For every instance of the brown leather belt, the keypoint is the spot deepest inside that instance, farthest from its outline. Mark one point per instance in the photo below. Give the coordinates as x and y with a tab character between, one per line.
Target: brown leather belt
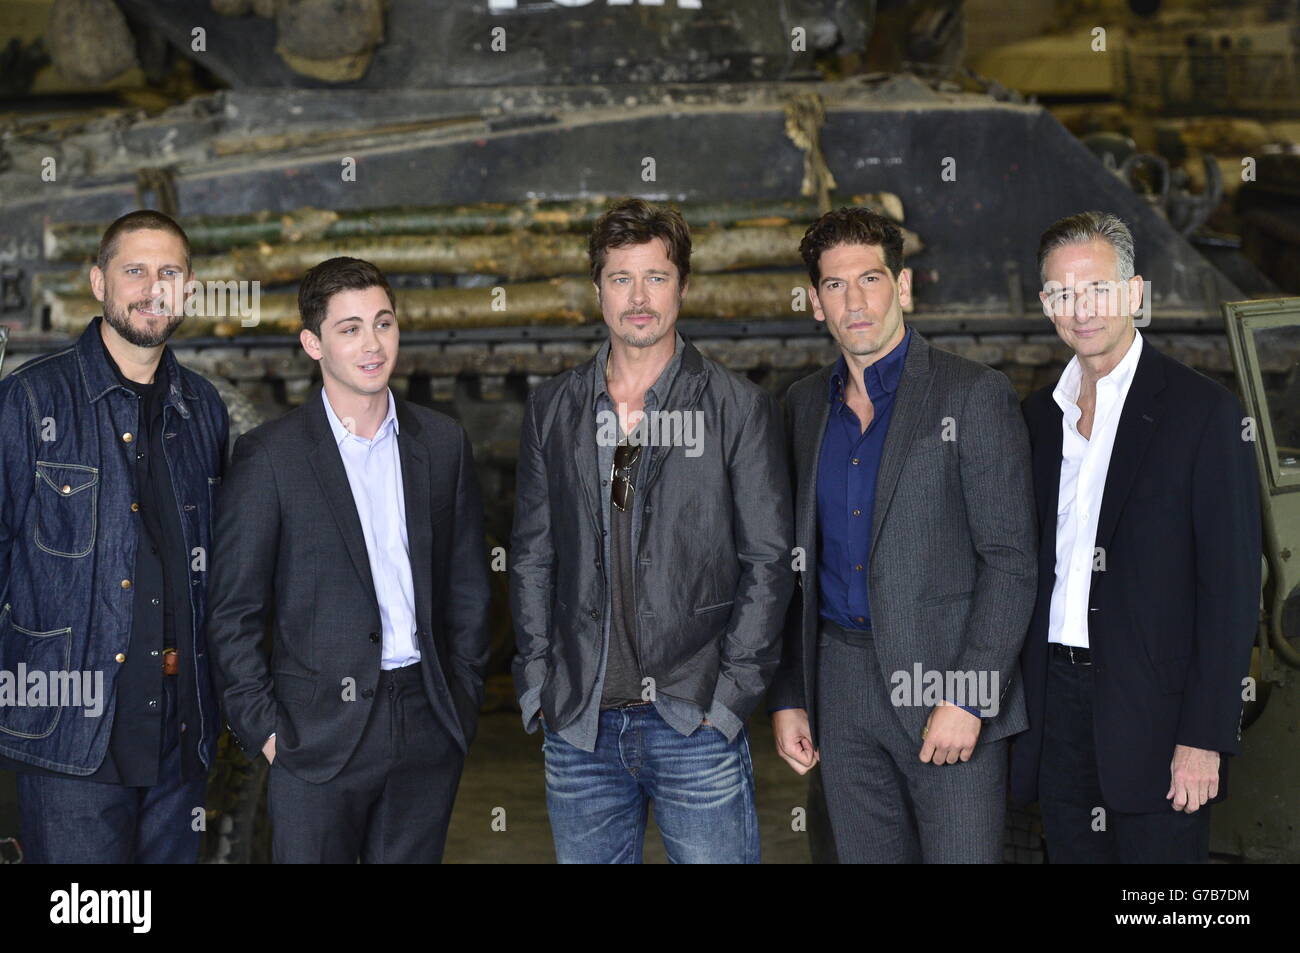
171	662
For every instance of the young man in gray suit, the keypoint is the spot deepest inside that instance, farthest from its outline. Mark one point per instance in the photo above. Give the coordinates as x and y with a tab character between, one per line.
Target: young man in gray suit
914	523
355	522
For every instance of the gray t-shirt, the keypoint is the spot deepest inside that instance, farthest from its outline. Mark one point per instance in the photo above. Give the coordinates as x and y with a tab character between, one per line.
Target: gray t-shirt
623	668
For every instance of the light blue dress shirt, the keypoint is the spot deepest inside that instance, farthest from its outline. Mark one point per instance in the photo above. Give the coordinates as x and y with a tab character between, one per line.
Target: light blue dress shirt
374	469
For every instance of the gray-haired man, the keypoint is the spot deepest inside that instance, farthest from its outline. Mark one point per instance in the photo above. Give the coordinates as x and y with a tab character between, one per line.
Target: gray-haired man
1149	572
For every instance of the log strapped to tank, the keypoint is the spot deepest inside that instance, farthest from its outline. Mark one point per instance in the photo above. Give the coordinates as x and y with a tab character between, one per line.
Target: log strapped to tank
533	257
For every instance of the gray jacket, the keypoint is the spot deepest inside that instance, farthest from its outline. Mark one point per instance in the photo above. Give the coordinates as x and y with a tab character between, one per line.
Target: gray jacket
954	550
713	576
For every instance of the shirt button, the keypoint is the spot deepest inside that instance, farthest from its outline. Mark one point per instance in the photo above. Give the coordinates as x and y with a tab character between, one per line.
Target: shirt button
595	614
153	652
66	489
374	636
127	437
120	657
368	693
858	567
154	602
153	703
855	461
857	512
861	619
126	583
135	507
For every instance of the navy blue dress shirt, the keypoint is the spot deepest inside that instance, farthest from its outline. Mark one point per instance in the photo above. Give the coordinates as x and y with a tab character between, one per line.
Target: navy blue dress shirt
846	488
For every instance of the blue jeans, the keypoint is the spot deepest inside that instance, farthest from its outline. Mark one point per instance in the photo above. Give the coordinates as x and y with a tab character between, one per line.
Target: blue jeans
701	784
69	820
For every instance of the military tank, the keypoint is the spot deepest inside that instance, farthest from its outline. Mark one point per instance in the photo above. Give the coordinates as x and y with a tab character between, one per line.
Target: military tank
467	146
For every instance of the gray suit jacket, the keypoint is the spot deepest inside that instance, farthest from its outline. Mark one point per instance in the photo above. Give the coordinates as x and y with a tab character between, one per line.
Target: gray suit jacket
288	547
954	550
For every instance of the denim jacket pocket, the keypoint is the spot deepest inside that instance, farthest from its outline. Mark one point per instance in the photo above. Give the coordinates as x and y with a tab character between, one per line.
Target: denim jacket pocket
67	496
23	653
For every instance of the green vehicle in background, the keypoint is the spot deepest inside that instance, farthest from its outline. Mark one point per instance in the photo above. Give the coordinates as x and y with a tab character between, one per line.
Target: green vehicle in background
1257	821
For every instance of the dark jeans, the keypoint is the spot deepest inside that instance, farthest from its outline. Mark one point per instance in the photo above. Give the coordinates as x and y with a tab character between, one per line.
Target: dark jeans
69	820
1080	828
702	786
391	803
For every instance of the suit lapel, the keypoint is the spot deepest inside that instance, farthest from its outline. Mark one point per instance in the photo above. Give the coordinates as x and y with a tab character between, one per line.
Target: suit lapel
909	407
582	399
327	463
1043	420
415	491
1048	442
682	396
810	416
1137	422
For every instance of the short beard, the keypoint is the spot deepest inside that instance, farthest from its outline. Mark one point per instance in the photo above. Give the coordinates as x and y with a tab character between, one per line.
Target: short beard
649	340
651	336
120	321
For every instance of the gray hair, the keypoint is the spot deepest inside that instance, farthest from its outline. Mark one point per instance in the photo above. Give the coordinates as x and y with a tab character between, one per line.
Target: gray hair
1086	227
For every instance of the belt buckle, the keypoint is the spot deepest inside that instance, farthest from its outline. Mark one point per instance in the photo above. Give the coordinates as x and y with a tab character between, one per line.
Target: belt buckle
1077	661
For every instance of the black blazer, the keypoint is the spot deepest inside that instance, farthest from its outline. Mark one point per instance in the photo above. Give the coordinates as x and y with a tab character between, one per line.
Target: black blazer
1172	617
288	544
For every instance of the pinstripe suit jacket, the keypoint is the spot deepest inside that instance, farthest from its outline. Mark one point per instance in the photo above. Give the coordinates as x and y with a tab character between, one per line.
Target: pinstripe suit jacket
954	560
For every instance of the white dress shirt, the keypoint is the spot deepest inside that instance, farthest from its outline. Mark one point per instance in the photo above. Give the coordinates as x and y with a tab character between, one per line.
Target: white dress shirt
374	470
1084	464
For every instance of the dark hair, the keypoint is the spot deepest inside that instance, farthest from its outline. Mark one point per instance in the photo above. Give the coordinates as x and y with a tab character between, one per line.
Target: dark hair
851	226
635	222
139	220
1086	227
329	278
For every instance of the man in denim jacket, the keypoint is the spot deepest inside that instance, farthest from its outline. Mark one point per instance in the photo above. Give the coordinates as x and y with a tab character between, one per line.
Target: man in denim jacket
110	453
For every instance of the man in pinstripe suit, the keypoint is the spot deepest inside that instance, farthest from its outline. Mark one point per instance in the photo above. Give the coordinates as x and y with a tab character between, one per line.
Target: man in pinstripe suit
914	527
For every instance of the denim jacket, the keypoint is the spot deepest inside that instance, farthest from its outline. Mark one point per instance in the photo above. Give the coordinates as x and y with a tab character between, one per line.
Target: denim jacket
68	537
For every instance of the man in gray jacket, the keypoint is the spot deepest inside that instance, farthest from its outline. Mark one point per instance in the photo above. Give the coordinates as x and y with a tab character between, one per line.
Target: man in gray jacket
915	521
650	568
